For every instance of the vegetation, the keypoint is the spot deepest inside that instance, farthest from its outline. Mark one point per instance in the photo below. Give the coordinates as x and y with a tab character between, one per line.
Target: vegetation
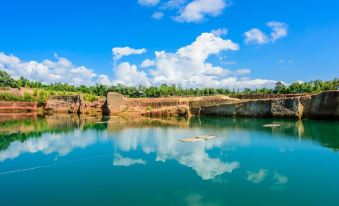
91	93
5	96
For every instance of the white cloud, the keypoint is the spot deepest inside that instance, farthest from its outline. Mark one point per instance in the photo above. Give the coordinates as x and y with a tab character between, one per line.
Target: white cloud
47	71
240	72
207	167
150	140
147	63
279	30
256	177
219	32
157	15
256	36
189	67
104	80
49	143
229	62
193	11
126	162
119	52
128	74
174	4
192	155
197	10
148	3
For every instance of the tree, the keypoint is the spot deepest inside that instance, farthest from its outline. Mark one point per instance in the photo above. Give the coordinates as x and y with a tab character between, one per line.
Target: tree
279	88
6	80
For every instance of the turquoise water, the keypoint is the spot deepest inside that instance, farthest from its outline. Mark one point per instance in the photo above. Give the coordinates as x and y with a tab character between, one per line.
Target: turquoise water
63	160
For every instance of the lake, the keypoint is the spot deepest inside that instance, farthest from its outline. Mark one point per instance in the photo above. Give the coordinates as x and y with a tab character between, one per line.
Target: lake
72	160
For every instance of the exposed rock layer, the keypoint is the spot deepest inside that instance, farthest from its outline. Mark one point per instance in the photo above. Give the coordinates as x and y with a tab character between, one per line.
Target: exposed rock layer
17	107
323	105
73	104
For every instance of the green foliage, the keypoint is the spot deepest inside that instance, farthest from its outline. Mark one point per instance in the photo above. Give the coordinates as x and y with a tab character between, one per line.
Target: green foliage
306	87
90	97
6	80
91	93
28	97
5	96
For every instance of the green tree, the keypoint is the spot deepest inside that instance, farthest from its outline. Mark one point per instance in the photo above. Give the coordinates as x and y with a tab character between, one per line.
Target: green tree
6	80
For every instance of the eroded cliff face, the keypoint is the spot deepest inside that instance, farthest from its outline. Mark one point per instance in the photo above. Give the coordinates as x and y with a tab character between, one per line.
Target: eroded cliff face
165	107
73	104
64	104
323	105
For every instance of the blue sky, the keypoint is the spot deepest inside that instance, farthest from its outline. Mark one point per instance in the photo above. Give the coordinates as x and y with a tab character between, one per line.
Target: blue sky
83	34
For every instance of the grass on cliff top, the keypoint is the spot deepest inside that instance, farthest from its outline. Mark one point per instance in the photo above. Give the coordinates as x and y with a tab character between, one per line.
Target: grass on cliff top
41	96
8	97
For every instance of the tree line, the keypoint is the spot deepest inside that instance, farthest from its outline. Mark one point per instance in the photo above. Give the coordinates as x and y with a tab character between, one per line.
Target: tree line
168	90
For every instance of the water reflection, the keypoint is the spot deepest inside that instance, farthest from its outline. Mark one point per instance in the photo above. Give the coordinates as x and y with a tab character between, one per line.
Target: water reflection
61	134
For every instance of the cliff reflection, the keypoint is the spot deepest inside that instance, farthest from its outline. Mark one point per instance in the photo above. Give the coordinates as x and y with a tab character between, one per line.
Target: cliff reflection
60	134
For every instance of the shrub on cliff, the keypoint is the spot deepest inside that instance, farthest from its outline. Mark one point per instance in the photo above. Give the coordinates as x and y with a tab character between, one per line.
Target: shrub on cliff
8	97
90	97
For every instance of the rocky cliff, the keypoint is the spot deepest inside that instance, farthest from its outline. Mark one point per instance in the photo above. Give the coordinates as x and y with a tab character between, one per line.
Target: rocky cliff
324	105
73	104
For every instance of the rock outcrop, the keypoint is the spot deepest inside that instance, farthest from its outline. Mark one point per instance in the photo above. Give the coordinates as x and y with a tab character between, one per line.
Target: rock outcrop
18	107
324	105
64	104
164	106
73	104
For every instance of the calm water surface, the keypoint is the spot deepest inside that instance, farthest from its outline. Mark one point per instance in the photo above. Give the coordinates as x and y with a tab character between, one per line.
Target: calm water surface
64	160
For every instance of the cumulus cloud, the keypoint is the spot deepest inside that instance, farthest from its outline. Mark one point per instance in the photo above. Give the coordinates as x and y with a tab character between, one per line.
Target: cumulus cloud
48	71
240	72
219	32
128	74
148	3
256	177
174	4
147	63
256	36
279	30
197	10
157	15
119	52
189	67
188	11
104	80
126	162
